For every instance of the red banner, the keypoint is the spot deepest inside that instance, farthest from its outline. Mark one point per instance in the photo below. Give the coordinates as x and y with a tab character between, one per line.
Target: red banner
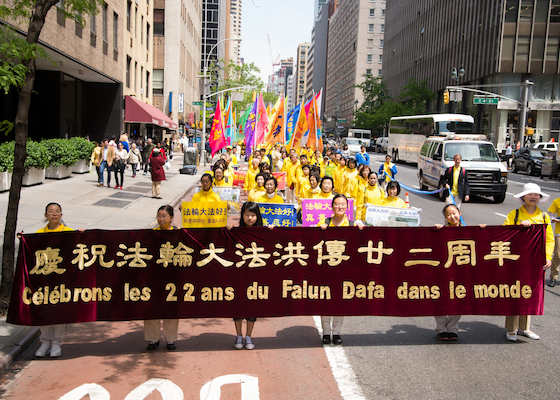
257	272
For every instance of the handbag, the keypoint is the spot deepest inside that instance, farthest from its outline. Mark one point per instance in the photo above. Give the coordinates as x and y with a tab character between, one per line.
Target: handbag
167	165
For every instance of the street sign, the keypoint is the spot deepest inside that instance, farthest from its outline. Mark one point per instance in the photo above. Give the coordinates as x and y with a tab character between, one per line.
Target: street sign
342	120
197	103
485	100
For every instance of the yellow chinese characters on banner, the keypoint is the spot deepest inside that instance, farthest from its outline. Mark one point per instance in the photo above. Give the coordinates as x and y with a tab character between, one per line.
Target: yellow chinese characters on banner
204	214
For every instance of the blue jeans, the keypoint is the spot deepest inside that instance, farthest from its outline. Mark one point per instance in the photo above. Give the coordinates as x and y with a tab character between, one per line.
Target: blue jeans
102	168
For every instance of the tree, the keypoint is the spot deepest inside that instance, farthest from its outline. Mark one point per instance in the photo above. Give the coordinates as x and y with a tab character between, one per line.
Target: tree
18	61
415	96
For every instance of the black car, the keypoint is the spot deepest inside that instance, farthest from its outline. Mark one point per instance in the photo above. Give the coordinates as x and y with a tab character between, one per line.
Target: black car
526	159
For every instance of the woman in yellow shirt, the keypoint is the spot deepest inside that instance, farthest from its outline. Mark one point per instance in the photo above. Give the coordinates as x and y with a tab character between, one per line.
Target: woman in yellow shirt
313	188
303	181
170	326
206	193
219	179
350	175
372	193
392	199
250	176
326	186
52	335
528	214
338	175
259	189
270	196
339	205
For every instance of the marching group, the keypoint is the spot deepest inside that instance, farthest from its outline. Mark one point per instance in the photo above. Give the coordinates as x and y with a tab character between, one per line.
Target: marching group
313	174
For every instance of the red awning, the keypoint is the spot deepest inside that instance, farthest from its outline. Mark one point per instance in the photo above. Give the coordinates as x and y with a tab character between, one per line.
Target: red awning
138	111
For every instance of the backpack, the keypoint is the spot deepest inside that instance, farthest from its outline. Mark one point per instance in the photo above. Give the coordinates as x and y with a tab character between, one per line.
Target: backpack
517	217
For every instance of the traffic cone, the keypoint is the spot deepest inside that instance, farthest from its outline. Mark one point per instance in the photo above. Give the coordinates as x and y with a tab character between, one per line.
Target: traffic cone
406	200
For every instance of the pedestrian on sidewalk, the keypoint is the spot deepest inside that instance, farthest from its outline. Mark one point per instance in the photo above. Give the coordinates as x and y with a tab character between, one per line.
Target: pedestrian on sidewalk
333	324
106	159
250	216
158	174
146	152
170	326
134	158
121	156
96	158
52	335
528	214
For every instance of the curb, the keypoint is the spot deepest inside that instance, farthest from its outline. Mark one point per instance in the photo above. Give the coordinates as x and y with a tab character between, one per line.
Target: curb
17	346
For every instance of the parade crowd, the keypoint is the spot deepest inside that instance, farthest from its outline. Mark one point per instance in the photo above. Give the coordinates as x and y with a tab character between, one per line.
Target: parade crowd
332	174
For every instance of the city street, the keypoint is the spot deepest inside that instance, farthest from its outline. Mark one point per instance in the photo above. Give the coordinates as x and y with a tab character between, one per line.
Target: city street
381	357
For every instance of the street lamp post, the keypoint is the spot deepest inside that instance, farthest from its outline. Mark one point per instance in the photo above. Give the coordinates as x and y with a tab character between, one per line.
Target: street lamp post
205	96
456	75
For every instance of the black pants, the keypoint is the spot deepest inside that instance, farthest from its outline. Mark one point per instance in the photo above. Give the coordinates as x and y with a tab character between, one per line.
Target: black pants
119	170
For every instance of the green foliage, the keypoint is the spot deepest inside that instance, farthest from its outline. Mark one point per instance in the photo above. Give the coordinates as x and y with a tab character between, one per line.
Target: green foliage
6	127
7	157
83	147
36	155
61	152
415	96
242	75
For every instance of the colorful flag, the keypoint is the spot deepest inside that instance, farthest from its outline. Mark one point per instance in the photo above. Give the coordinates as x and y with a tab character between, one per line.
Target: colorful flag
250	128
217	138
299	131
239	132
262	122
230	124
314	140
277	130
272	114
291	122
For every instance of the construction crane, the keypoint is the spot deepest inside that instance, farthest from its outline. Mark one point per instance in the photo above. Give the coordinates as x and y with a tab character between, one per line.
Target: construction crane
274	62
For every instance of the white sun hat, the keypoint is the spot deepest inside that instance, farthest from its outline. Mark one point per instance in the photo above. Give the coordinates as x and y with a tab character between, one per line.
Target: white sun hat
532	188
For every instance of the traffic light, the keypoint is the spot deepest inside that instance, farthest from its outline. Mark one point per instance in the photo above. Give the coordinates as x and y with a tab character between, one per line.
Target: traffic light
446	97
530	131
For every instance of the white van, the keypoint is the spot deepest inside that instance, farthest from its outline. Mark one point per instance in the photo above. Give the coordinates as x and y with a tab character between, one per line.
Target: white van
546	146
487	175
381	144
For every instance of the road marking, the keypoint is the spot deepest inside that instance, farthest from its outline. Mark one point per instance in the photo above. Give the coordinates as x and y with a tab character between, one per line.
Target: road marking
544	187
167	389
93	390
341	369
249	387
511	194
501	215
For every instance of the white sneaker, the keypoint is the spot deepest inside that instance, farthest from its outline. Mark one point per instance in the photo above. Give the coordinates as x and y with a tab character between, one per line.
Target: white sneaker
43	350
56	351
238	342
512	336
249	343
530	335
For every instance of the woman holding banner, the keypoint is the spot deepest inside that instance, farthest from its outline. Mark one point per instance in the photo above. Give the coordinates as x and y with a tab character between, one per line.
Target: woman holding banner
170	326
270	196
206	193
371	193
392	199
528	214
333	324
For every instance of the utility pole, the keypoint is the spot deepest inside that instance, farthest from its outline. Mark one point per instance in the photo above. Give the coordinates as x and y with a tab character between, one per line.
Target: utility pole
523	112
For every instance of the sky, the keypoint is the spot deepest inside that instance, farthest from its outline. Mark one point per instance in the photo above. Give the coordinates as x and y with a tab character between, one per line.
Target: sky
288	23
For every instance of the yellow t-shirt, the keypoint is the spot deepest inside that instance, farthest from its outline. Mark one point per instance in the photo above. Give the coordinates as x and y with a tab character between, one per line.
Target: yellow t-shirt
61	228
387	169
535	218
555	209
276	199
255	193
210	195
393	202
350	183
250	178
345	222
455	187
323	195
223	182
368	195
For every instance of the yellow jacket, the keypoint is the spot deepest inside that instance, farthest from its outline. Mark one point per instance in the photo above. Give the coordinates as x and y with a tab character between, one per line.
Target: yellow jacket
350	183
210	195
223	182
393	202
323	195
255	193
276	199
302	185
290	169
535	218
338	177
250	179
368	195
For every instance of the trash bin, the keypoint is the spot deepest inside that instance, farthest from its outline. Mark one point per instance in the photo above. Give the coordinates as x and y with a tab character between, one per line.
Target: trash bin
190	156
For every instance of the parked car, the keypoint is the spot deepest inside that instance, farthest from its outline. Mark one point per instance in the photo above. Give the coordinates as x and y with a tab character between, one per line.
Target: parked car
526	159
546	146
381	144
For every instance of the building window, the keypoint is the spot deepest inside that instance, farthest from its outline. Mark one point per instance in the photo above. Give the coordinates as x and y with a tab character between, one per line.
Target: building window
370	28
379	73
128	63
147	36
381	43
141	77
147	83
370	43
128	15
382	29
381	59
92	24
142	30
135	74
368	71
105	23
382	13
115	31
158	81
159	23
372	12
369	58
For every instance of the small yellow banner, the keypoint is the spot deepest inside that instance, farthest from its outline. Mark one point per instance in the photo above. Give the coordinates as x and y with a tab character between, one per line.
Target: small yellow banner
203	214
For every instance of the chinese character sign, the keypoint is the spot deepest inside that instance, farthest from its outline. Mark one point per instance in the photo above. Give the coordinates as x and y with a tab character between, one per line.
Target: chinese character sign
315	211
278	214
204	214
100	275
392	216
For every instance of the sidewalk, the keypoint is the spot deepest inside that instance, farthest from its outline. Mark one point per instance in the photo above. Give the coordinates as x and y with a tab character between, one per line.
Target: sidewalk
85	205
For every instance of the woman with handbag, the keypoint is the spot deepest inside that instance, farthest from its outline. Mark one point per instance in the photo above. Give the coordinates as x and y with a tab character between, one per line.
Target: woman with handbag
121	156
134	157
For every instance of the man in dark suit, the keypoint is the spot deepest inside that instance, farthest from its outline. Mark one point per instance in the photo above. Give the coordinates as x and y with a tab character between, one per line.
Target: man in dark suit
457	182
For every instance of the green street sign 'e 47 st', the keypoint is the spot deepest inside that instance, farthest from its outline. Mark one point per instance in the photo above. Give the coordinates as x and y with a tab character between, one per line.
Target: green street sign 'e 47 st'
485	100
197	103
